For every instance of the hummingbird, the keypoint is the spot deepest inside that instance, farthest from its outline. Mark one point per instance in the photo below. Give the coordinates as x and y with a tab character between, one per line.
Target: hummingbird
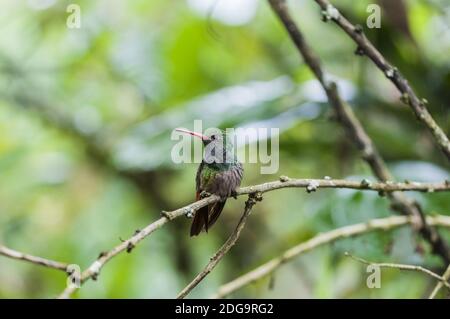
219	173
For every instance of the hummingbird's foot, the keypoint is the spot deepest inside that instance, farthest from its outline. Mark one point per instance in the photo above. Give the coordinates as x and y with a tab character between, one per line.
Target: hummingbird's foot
165	214
234	194
204	194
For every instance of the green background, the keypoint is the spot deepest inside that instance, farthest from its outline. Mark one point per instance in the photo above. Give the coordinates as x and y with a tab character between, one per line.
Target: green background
86	116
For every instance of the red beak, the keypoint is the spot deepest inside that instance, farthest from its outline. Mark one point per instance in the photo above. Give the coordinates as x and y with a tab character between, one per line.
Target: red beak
201	136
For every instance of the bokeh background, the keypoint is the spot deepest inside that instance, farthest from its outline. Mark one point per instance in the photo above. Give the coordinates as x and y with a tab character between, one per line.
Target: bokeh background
85	122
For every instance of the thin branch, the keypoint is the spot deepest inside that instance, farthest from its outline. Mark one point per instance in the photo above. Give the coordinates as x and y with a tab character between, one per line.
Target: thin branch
231	241
356	131
439	285
408	95
401	267
10	253
269	267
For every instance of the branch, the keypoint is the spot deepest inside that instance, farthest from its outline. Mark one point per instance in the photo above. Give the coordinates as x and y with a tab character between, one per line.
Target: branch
10	253
312	185
356	131
231	241
93	270
285	182
439	285
408	95
269	267
442	280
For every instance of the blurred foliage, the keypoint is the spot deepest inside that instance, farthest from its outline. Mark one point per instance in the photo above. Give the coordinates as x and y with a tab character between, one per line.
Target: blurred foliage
86	116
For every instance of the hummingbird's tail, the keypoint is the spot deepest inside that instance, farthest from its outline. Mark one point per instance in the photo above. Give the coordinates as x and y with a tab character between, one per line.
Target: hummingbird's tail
214	212
206	217
200	219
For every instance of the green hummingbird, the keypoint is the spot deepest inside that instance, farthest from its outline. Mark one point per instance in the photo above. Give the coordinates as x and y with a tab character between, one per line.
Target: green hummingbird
219	173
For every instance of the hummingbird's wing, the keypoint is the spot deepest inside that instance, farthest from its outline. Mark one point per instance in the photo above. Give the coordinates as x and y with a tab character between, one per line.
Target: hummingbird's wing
201	216
206	216
198	180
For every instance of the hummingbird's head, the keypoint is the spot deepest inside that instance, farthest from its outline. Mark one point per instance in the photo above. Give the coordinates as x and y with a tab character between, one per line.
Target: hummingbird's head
219	147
